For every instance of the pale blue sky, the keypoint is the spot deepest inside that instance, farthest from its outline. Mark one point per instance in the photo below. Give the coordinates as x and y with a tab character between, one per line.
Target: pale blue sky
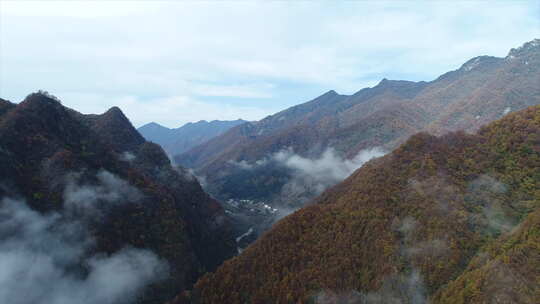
174	62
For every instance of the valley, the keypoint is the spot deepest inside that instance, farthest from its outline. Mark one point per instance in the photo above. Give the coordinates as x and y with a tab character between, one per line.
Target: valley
269	152
291	157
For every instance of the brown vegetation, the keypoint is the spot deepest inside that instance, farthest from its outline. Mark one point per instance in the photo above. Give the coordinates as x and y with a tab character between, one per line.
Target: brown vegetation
435	220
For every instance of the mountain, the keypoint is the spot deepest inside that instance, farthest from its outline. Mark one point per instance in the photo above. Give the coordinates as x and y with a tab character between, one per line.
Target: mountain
450	219
90	210
179	140
288	158
481	90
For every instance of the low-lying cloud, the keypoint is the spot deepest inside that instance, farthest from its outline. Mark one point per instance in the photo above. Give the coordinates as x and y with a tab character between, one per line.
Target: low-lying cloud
329	165
486	191
49	258
88	199
395	289
127	157
311	177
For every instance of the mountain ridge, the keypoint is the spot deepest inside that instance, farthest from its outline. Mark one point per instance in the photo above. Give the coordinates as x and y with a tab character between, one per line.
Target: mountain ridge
483	89
419	224
191	134
99	173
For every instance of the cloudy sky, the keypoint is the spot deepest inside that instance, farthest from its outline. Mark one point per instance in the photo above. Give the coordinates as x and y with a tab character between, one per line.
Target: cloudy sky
179	61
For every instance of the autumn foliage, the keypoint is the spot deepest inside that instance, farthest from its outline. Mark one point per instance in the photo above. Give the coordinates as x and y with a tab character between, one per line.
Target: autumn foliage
448	219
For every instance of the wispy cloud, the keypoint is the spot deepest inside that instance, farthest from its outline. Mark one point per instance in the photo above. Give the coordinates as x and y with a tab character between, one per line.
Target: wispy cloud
45	259
309	177
51	257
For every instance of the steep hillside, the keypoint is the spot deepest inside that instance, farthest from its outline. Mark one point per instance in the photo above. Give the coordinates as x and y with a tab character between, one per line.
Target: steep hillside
129	206
482	90
179	140
434	220
508	271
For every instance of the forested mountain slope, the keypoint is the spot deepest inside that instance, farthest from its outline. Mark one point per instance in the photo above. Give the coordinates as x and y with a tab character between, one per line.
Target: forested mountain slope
450	219
105	198
483	89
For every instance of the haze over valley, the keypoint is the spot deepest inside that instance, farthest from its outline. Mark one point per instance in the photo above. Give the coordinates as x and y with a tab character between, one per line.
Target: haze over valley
179	152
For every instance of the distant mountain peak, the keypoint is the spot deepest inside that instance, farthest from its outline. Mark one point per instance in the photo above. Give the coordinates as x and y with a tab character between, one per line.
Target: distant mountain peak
153	126
387	84
527	47
332	92
476	62
328	95
177	140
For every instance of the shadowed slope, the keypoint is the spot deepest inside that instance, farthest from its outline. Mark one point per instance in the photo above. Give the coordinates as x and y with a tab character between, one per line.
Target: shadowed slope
59	160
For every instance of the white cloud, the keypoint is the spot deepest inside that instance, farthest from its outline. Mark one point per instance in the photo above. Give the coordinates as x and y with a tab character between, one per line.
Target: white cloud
77	9
266	54
329	166
50	257
311	177
41	256
172	111
85	200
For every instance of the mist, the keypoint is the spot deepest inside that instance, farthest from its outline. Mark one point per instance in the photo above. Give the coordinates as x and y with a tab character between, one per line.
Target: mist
395	289
488	193
329	166
85	200
127	157
311	176
50	258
